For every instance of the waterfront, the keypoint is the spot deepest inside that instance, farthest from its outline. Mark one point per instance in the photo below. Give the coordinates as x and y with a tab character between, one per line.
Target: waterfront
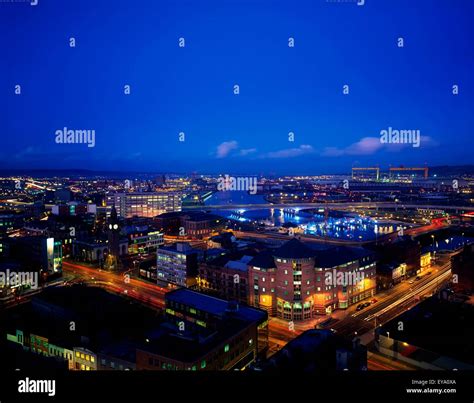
337	225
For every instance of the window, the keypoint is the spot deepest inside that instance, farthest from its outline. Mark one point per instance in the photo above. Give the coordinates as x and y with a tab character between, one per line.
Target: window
77	354
203	364
226	348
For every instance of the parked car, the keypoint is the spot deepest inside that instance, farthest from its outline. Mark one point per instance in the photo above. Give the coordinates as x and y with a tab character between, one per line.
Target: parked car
359	307
418	278
373	300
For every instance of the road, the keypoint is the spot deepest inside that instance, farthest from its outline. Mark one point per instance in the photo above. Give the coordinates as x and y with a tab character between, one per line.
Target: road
352	323
148	293
347	323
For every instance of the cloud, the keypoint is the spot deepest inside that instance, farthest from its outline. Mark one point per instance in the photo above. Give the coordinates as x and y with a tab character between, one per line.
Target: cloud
365	146
290	152
247	151
370	145
225	148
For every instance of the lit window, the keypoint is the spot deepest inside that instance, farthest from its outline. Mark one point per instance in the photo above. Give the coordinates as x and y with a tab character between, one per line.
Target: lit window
226	348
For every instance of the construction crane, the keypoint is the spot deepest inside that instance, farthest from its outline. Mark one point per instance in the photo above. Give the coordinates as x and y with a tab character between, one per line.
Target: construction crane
402	168
376	169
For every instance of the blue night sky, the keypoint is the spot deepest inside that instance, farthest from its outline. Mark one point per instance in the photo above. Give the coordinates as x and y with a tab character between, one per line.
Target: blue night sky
243	42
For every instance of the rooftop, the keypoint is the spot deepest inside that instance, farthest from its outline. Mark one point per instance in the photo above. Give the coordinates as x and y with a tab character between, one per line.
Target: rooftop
294	249
214	306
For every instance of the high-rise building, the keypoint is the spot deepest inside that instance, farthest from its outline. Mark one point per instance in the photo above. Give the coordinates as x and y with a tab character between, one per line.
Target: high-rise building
177	264
144	204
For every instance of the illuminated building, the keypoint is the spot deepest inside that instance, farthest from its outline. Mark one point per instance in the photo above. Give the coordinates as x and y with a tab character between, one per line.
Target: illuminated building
73	209
144	240
144	204
95	250
84	359
425	261
390	274
177	265
190	224
112	261
226	277
44	254
10	221
42	329
295	282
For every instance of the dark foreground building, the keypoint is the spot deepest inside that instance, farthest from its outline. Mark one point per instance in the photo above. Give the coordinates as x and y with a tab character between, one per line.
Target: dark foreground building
206	333
435	334
86	328
318	351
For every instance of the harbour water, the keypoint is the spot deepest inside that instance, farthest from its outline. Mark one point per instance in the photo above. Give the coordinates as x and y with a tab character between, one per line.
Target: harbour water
348	226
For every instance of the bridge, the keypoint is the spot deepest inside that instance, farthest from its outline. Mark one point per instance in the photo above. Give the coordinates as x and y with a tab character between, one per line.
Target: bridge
337	206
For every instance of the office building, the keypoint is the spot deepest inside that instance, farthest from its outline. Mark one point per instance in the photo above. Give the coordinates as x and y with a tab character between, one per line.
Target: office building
144	204
177	265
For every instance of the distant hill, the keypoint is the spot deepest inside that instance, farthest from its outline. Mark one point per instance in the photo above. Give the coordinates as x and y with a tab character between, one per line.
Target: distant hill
446	170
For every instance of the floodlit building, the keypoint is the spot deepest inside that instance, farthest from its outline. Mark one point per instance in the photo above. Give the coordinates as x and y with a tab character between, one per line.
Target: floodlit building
296	282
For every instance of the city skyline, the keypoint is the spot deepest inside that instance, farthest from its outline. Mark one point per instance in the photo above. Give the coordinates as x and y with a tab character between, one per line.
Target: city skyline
285	93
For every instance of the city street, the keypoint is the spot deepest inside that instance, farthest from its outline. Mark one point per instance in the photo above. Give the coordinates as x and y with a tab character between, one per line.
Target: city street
350	322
